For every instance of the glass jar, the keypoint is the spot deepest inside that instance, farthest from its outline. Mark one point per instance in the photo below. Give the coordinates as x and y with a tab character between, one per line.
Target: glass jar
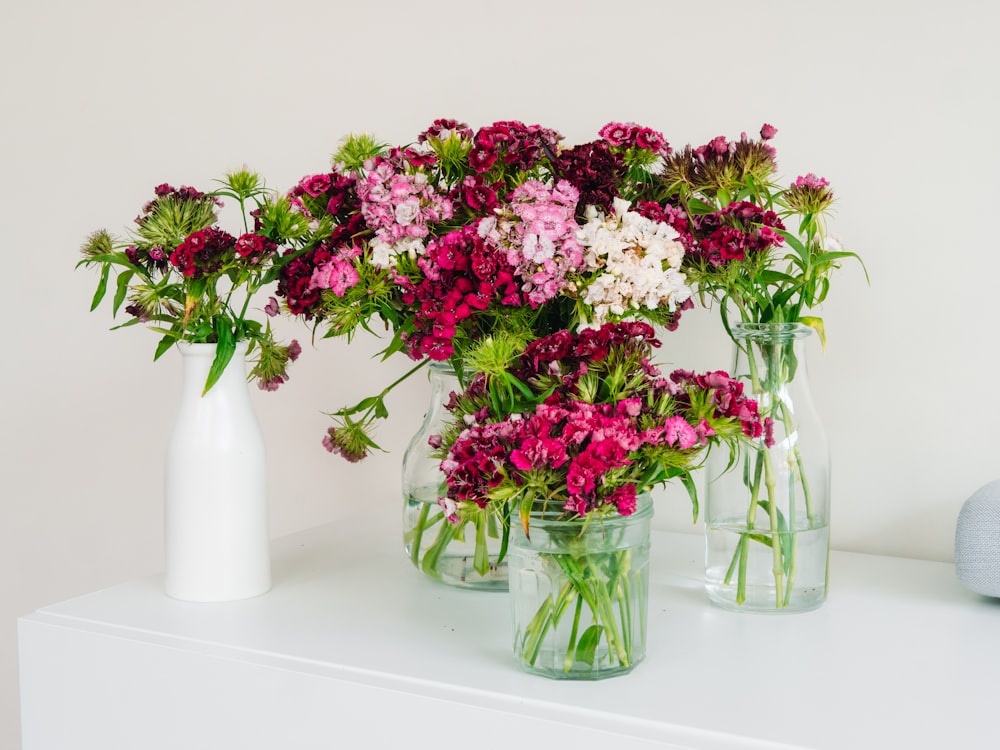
579	594
469	554
767	509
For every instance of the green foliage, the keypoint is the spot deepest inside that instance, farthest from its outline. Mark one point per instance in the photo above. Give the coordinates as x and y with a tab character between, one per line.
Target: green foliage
782	283
208	303
355	150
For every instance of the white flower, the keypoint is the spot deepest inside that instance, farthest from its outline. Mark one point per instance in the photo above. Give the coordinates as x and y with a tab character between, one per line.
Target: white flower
381	254
407	211
640	260
412	246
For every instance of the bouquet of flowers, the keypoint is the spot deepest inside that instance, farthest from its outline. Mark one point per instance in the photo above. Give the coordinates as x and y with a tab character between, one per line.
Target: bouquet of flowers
468	243
190	280
761	251
463	237
577	430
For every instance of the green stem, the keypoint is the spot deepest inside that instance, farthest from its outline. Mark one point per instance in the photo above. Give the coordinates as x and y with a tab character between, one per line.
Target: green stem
769	481
803	479
481	561
571	651
446	535
778	566
737	554
418	533
547	616
606	612
742	550
622	590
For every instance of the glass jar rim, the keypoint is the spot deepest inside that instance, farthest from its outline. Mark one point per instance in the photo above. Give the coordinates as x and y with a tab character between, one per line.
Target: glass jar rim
643	510
772	331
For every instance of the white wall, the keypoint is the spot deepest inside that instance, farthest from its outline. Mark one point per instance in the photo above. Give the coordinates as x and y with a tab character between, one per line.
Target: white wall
894	102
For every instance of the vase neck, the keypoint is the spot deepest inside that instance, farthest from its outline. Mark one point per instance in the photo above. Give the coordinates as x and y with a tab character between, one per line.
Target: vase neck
197	362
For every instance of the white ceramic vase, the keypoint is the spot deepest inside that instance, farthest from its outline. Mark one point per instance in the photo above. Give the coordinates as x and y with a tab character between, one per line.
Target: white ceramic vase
215	505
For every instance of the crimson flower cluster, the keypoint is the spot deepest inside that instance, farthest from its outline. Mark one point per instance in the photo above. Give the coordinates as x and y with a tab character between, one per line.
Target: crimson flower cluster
317	195
515	144
594	170
604	426
629	135
461	275
738	232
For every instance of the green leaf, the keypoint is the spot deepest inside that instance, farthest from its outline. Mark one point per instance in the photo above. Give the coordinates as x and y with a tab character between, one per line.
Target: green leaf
362	405
817	325
692	490
165	343
796	244
396	345
224	349
834	255
525	513
123	279
782	298
127	324
697	206
775	277
588	644
505	536
102	287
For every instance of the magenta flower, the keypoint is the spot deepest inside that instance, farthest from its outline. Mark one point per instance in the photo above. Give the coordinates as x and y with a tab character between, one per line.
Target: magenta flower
336	275
588	445
810	181
677	431
315	185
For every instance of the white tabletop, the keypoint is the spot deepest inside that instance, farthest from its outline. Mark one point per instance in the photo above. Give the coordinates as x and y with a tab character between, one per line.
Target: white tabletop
900	655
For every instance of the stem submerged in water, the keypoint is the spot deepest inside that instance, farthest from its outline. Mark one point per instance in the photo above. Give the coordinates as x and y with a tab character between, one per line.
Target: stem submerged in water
781	503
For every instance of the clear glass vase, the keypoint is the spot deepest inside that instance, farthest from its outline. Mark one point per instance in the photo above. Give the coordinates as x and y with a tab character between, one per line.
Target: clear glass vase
469	554
579	594
767	509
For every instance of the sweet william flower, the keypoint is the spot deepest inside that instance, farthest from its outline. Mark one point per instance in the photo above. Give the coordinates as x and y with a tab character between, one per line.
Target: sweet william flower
677	431
180	271
575	442
346	442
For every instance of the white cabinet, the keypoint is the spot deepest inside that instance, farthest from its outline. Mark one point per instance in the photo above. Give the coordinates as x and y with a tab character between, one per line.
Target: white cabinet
352	648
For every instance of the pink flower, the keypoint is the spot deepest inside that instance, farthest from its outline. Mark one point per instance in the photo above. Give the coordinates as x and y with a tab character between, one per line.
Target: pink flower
315	185
623	498
616	133
677	430
450	508
811	181
767	132
336	275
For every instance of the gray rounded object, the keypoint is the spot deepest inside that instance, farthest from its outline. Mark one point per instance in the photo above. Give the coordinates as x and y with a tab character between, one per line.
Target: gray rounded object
977	541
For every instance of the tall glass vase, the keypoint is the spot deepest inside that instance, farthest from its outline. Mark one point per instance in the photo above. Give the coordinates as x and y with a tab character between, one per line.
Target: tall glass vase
469	554
767	509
